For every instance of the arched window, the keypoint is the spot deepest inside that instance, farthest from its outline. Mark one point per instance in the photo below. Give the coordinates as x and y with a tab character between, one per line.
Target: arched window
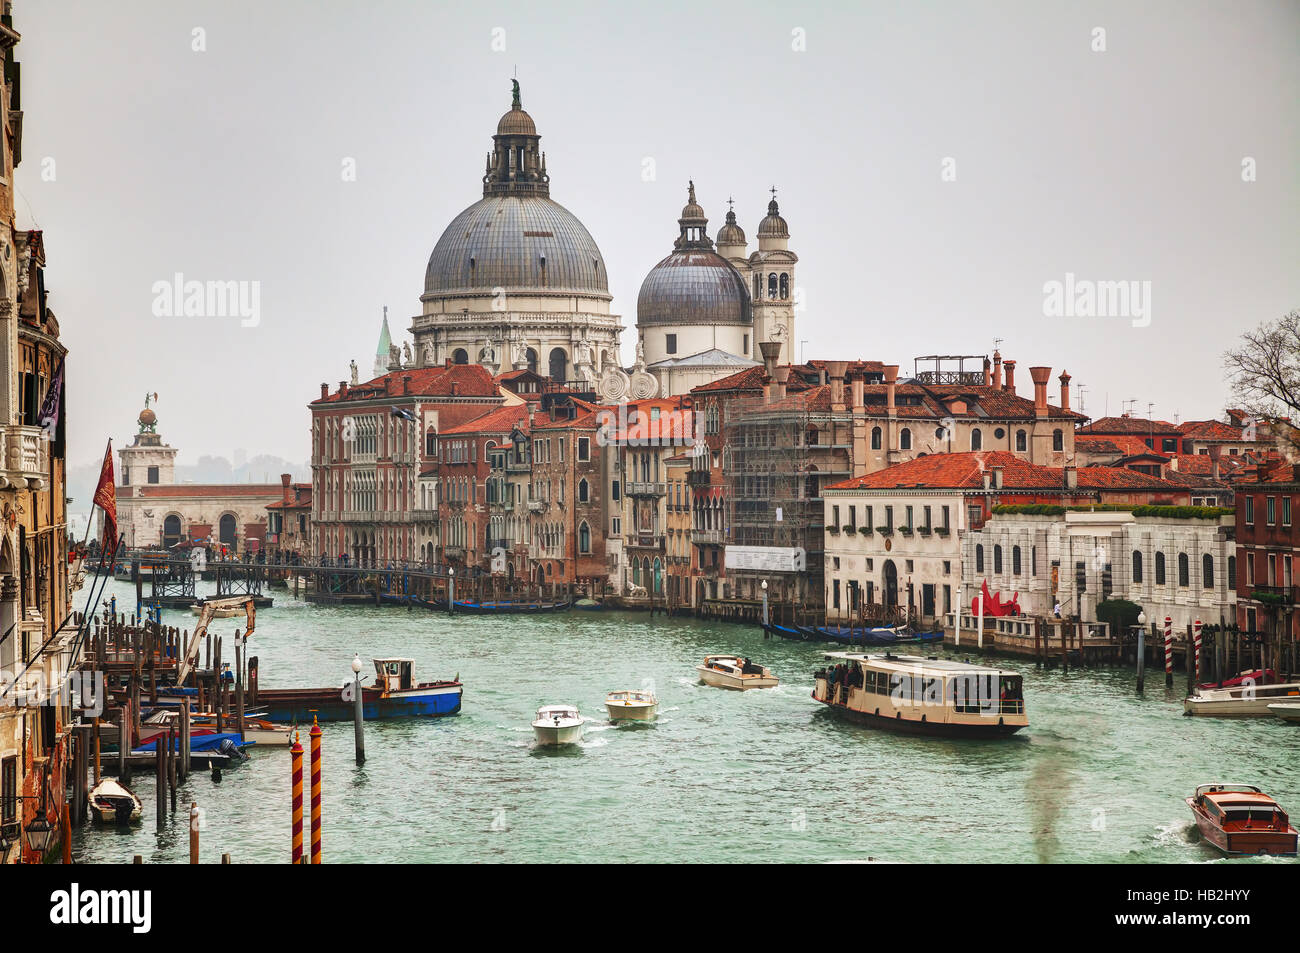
785	286
1184	571
584	491
531	356
1137	565
460	356
226	529
584	538
979	558
997	559
905	439
1232	572
1160	569
977	439
1058	440
771	285
875	438
812	485
559	362
1015	560
1207	571
1022	441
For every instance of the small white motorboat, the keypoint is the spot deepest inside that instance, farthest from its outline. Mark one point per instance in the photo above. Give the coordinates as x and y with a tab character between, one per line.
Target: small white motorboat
558	725
111	802
1240	701
1287	711
735	671
632	704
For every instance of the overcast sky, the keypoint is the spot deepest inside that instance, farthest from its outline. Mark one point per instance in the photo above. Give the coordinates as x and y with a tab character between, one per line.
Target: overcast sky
143	158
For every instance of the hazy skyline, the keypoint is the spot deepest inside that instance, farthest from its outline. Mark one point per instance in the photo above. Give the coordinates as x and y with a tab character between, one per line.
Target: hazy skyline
143	158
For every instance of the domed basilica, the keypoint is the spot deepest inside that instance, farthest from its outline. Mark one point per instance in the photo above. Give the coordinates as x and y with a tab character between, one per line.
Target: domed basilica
517	282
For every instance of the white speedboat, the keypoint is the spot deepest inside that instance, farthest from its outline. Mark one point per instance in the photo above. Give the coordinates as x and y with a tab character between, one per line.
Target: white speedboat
1240	701
1287	711
632	705
111	802
558	725
735	671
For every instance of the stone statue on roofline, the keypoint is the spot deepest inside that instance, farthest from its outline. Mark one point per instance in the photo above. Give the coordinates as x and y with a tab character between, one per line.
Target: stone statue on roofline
353	368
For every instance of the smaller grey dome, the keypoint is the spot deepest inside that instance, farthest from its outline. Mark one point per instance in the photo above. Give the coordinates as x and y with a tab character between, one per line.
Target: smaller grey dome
693	286
773	226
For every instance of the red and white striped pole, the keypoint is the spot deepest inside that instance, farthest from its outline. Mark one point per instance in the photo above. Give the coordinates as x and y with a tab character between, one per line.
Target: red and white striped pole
1169	651
1196	641
315	791
296	774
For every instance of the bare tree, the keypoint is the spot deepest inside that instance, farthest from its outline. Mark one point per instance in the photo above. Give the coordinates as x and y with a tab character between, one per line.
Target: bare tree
1264	374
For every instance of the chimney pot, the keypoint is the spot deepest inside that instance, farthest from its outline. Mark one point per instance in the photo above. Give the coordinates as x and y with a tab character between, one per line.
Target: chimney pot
1011	375
324	391
343	388
997	478
1039	375
1071	478
997	369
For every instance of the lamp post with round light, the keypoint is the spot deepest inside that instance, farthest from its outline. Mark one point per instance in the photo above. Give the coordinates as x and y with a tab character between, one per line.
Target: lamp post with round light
451	590
1142	648
765	620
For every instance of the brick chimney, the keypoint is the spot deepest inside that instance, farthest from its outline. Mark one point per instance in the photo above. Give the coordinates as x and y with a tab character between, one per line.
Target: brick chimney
988	372
997	369
835	373
1040	376
324	391
286	480
891	382
1011	376
406	384
1216	451
1065	390
771	351
343	389
1071	478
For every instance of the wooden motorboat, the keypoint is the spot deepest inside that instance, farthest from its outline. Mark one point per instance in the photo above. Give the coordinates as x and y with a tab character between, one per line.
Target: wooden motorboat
558	725
632	704
112	802
1242	819
735	671
922	695
1287	711
1241	701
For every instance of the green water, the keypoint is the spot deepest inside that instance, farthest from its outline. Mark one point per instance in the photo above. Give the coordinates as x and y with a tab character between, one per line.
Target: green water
1099	776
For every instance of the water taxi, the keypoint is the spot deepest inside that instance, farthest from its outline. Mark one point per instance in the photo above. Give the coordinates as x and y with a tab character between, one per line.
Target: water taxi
1246	700
558	725
923	695
632	705
1242	819
734	671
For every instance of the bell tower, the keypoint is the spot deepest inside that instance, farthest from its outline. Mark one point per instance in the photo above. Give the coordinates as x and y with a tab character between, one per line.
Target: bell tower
773	288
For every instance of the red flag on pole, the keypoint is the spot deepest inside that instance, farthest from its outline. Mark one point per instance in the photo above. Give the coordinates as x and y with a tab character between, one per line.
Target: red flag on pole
106	498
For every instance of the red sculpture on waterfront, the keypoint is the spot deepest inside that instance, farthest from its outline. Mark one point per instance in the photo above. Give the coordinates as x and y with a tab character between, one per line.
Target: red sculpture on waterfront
993	604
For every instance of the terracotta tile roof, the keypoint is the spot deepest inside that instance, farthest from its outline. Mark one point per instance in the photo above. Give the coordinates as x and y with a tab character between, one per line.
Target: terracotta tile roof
497	421
1136	426
468	380
966	471
674	423
1117	444
227	490
1210	430
301	499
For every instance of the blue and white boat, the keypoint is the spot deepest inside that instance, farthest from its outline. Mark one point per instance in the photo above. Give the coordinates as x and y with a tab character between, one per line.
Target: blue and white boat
394	694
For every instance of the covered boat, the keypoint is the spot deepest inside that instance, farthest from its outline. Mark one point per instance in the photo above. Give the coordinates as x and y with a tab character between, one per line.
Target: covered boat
556	725
633	704
395	694
735	671
1246	700
1242	819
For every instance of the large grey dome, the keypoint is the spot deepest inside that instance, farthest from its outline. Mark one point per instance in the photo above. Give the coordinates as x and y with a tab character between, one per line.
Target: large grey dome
693	286
519	243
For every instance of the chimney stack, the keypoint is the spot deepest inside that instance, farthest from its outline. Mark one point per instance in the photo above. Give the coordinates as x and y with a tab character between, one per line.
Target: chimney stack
779	377
406	384
1065	390
1071	478
988	373
324	391
997	369
835	372
343	389
859	394
891	382
997	478
285	480
1216	451
1040	376
1011	376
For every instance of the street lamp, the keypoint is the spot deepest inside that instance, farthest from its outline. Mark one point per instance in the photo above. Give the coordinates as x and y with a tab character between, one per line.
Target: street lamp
358	712
765	618
451	590
356	664
39	833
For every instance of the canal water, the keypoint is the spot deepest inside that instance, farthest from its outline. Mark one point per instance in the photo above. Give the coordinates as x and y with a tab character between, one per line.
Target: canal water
769	775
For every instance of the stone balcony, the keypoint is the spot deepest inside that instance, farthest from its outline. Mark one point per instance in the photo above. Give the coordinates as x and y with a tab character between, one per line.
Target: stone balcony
641	488
26	457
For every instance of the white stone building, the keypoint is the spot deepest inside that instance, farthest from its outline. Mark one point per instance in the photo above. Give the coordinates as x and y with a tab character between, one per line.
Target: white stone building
1183	568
